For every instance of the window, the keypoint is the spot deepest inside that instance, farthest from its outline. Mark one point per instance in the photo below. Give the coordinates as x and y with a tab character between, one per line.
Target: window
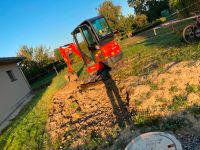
82	44
11	75
86	53
88	36
101	27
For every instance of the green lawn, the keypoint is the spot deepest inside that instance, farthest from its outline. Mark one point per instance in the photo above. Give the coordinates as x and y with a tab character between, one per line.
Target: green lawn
153	53
43	81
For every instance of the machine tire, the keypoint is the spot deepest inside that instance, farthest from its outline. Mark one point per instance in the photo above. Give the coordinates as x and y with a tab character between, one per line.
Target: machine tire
197	33
188	37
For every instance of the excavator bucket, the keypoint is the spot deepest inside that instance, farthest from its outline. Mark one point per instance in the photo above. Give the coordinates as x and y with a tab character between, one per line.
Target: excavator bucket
65	51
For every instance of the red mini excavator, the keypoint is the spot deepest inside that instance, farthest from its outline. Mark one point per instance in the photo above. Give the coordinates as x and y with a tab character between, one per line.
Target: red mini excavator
94	44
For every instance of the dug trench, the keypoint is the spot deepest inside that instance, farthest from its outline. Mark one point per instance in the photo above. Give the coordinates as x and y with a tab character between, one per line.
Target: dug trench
107	115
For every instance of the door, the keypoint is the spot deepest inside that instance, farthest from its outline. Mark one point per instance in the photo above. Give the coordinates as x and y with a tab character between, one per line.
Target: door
93	46
83	48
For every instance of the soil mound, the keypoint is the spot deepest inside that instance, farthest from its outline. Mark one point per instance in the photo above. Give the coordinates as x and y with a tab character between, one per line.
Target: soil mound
100	109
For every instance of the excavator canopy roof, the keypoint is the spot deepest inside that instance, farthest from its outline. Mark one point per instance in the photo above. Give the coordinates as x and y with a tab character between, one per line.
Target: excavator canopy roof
99	28
87	21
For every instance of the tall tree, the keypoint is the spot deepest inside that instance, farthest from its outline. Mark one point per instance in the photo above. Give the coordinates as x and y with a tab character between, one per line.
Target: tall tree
138	5
141	20
185	7
126	24
26	52
155	7
151	8
111	12
29	66
41	55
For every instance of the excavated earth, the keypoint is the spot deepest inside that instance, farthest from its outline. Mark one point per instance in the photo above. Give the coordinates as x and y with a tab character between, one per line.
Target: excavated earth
103	109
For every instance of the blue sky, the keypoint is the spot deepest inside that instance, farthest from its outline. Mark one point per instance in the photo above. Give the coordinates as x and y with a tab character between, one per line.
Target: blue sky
44	22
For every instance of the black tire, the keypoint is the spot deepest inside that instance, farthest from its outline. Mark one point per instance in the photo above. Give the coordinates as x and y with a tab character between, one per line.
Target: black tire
197	33
188	34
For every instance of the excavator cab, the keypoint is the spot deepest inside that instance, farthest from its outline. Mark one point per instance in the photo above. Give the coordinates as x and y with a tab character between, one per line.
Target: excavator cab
95	43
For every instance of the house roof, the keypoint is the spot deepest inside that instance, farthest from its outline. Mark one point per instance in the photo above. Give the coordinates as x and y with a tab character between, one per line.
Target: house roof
10	60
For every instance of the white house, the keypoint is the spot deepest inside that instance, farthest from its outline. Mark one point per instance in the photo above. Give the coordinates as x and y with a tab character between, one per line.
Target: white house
14	88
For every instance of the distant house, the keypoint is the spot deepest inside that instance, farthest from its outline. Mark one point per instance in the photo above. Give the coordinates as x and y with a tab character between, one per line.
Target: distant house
14	88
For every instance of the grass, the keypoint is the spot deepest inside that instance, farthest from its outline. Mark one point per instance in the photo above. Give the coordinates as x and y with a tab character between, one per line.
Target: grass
173	89
152	85
173	124
192	88
154	53
43	81
162	100
177	102
28	129
121	144
195	110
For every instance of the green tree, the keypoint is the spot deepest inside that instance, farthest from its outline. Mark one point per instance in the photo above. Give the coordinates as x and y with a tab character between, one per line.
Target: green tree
26	52
155	7
185	7
138	5
141	20
57	55
29	66
126	25
41	55
36	60
151	8
111	12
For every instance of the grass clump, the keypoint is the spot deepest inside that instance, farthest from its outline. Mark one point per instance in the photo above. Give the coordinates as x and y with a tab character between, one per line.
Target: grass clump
173	124
162	100
140	120
92	141
121	144
191	88
152	85
177	102
173	89
195	110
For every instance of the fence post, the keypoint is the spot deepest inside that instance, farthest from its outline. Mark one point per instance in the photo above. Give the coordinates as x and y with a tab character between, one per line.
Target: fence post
154	30
172	25
55	70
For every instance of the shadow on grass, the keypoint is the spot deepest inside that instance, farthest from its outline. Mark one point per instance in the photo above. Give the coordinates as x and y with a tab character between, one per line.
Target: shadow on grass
43	82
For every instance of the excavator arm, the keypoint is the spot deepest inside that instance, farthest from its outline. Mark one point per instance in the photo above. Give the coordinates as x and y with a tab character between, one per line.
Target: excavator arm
65	51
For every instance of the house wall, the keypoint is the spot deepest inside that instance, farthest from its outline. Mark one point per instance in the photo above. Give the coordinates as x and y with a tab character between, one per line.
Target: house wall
11	93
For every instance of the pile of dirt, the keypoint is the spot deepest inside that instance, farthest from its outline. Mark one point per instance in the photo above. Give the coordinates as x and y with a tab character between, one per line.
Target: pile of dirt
94	109
102	108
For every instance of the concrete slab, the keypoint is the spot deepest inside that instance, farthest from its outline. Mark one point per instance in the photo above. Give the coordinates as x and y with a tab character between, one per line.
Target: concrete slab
154	141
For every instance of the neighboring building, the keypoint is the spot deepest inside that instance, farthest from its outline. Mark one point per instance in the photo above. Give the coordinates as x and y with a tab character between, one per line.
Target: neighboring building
14	88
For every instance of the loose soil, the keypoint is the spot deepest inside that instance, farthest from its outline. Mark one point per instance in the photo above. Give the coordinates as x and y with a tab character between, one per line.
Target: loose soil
110	110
